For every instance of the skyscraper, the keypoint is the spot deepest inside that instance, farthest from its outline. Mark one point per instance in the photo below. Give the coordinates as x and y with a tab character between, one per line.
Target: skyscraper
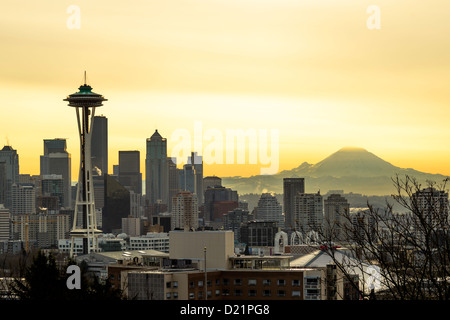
130	170
196	162
156	170
335	209
56	160
52	185
174	181
216	195
23	199
9	173
185	211
211	181
5	220
117	205
432	205
291	187
234	219
269	209
308	211
99	148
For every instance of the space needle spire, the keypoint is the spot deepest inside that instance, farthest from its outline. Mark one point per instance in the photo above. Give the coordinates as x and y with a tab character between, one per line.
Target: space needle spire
85	101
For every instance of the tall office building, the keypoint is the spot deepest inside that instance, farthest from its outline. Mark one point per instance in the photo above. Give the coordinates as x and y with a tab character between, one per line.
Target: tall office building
5	228
3	183
336	207
156	170
174	181
196	162
258	233
130	170
269	209
432	205
23	199
185	211
99	146
234	219
291	187
218	194
56	160
9	173
308	211
211	181
52	185
117	205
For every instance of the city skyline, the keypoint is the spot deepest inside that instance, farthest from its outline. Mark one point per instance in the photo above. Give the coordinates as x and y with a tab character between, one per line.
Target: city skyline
315	72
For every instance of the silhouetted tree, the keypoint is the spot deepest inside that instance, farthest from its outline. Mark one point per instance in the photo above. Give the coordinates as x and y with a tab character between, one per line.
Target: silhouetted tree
43	280
396	256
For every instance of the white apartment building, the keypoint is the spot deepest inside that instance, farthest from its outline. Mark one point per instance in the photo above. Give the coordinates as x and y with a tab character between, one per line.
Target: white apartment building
151	241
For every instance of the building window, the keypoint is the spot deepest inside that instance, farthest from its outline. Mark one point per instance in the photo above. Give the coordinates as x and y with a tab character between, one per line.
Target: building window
312	292
200	283
266	282
296	283
191	284
311	281
281	293
217	292
191	295
281	282
237	292
296	293
225	292
175	284
252	282
168	285
237	282
267	293
226	282
252	293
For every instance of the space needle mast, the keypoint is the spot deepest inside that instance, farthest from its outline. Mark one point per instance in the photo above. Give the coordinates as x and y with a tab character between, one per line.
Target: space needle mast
85	101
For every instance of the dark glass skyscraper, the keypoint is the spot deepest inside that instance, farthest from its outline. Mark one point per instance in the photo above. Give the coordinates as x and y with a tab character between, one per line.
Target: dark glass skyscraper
291	187
56	160
130	170
99	147
157	170
9	166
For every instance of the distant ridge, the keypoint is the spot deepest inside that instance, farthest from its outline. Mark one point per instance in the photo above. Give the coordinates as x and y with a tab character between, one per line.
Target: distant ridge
351	169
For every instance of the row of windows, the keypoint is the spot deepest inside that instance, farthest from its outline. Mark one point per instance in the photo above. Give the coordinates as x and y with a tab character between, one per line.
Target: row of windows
250	282
149	240
250	293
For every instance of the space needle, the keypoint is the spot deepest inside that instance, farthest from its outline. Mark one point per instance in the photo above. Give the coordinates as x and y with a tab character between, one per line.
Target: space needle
85	101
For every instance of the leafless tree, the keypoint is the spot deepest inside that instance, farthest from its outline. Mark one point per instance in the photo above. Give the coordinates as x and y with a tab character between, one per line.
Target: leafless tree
396	256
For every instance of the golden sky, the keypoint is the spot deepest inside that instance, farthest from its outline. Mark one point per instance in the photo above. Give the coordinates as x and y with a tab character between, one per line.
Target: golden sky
311	69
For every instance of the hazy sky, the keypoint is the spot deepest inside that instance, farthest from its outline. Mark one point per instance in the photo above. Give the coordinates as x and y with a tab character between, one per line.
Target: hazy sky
311	69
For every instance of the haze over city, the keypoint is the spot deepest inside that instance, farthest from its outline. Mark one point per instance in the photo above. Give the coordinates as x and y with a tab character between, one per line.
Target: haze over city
313	71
